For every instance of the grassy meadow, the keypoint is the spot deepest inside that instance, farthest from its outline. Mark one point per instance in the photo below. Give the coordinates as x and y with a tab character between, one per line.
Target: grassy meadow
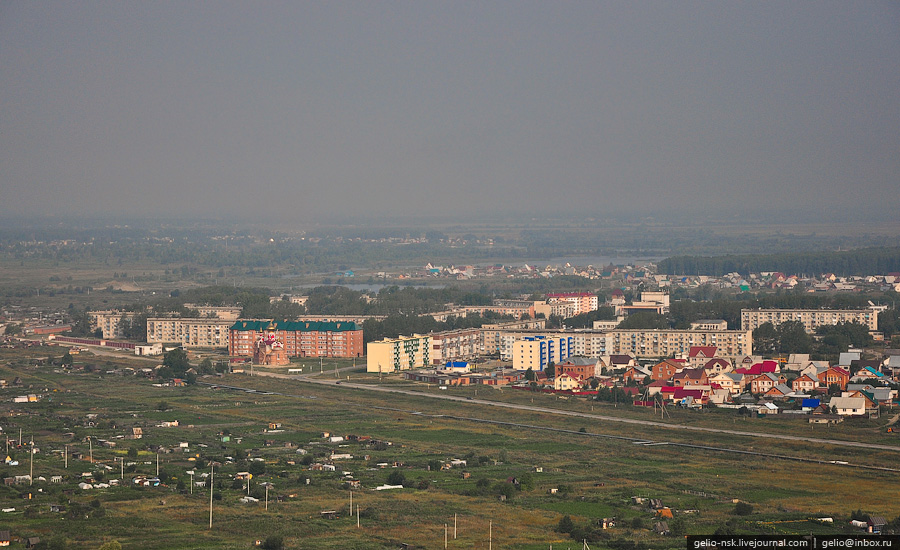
559	470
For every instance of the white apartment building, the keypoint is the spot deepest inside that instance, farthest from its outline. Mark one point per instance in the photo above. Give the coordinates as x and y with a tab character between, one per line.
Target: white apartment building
193	332
751	319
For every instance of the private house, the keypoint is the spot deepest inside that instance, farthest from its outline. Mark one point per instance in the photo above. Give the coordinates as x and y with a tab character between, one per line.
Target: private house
763	367
780	391
731	381
689	378
717	366
765	382
835	375
638	374
619	361
848	406
581	368
804	384
664	370
566	382
700	355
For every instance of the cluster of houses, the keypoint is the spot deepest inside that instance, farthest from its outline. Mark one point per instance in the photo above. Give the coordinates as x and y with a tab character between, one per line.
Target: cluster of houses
646	274
853	387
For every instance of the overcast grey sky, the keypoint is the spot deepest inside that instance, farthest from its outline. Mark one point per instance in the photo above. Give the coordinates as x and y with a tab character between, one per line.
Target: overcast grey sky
386	109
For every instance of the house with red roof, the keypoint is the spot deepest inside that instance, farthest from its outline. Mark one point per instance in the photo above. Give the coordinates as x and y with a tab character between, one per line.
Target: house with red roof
835	375
687	396
699	355
757	369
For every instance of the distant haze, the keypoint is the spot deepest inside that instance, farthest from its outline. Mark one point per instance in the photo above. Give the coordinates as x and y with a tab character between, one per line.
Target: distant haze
380	110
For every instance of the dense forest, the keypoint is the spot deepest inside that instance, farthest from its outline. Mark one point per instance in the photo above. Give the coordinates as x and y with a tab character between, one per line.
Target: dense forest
866	261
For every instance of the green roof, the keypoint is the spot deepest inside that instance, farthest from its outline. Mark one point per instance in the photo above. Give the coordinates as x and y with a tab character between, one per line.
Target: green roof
295	326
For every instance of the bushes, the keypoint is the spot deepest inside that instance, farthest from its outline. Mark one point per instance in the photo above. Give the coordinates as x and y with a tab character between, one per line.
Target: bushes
743	509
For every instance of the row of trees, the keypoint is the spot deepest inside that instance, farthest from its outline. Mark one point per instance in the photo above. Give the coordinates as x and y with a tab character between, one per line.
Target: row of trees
866	261
791	337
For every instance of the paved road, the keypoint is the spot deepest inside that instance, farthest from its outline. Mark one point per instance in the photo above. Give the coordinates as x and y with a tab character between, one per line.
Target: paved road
561	412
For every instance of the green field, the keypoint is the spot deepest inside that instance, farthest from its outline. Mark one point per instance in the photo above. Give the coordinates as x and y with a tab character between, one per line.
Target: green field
586	476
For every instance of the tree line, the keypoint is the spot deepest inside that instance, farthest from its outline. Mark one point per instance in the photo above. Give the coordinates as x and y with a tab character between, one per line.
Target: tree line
864	261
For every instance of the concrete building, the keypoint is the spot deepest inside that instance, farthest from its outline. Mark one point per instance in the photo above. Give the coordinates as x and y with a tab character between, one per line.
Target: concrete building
709	324
190	332
396	354
229	313
491	333
452	345
298	338
108	322
582	302
666	343
751	319
655	301
536	352
638	342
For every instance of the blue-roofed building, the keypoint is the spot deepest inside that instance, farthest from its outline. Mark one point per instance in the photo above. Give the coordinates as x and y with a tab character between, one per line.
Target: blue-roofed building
810	404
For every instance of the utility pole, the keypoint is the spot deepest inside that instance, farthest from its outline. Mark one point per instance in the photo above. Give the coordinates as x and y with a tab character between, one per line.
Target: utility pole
31	474
267	497
211	473
192	482
65	454
157	463
454	526
91	447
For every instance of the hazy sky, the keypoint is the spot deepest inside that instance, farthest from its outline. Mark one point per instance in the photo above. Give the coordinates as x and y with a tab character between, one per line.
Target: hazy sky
386	109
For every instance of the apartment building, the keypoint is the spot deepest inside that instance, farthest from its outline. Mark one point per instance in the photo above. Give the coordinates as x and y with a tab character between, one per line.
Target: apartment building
668	343
108	322
812	319
709	324
537	352
655	301
454	345
491	333
299	338
638	342
396	354
229	313
582	302
190	332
